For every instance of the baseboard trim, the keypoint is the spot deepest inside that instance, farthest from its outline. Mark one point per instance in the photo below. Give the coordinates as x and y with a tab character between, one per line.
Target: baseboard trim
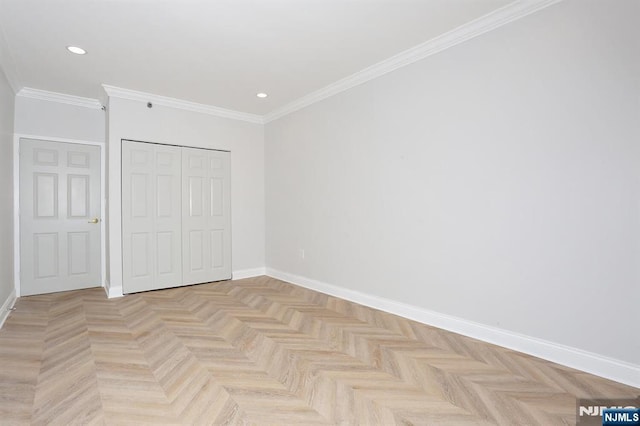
609	368
248	273
113	292
117	291
6	307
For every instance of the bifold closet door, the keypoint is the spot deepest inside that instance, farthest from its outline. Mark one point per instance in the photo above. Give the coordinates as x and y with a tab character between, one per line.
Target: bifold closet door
206	216
151	216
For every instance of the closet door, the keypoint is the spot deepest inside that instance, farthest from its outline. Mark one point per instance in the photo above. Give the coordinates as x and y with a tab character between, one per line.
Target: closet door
151	216
206	216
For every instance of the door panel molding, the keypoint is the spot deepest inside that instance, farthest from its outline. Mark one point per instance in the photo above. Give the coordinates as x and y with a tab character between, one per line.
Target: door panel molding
16	200
188	246
151	216
206	215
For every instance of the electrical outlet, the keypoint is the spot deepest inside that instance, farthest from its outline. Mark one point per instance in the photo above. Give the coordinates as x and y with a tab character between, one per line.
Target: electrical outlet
301	253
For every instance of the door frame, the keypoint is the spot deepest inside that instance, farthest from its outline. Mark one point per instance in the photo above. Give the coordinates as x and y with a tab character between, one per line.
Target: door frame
16	202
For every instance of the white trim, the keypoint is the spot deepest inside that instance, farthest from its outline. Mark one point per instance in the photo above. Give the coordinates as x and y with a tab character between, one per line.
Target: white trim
248	273
112	292
590	362
488	22
16	202
5	309
16	214
44	95
134	95
479	26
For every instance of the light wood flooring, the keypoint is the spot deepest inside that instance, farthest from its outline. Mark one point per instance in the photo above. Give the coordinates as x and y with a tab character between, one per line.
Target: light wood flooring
261	351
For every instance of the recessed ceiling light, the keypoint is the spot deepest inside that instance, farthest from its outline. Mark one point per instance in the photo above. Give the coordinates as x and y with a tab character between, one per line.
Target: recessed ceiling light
77	50
262	95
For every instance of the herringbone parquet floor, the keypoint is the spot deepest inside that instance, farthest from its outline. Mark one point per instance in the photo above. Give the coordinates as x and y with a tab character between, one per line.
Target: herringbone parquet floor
261	351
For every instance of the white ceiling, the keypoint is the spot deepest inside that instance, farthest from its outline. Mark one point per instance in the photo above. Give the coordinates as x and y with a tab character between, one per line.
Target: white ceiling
216	52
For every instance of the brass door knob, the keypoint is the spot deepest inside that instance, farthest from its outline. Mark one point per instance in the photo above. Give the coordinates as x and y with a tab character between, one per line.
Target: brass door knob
94	220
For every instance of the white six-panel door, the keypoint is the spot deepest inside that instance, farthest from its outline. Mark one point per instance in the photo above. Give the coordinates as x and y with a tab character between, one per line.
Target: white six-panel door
206	218
151	216
176	223
60	247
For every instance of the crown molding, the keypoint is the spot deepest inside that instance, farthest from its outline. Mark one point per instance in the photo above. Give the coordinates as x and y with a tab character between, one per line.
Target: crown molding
43	95
132	95
477	27
488	22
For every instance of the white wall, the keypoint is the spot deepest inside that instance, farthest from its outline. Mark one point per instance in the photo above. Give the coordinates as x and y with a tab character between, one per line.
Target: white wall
497	181
133	120
54	119
6	191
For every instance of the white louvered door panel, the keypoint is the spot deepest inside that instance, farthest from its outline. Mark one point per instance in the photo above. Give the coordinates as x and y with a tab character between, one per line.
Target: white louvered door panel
206	216
151	216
